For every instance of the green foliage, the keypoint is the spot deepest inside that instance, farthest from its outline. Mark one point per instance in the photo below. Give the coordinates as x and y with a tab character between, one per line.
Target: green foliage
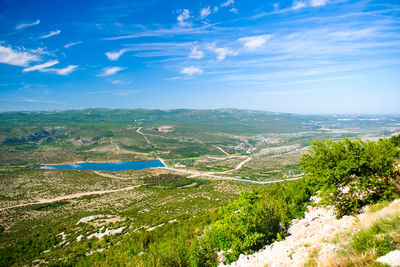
163	178
351	174
395	140
44	206
29	248
382	237
250	222
173	181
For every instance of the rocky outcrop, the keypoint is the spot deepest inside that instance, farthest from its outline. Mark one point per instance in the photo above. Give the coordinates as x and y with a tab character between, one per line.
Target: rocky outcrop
309	238
304	239
392	259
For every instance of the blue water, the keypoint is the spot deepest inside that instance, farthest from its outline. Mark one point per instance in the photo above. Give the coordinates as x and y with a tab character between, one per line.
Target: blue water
109	166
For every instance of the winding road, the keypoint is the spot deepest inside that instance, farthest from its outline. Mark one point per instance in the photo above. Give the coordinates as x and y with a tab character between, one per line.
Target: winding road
212	174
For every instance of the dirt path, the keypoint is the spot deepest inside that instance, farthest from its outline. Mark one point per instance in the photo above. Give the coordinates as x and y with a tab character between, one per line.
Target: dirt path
240	165
77	195
197	173
112	176
145	137
223	151
147	140
115	145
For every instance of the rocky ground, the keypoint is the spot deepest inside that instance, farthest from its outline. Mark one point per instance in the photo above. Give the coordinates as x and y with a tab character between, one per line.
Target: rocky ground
312	236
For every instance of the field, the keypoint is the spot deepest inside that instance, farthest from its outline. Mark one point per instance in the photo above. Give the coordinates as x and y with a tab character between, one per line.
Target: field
143	206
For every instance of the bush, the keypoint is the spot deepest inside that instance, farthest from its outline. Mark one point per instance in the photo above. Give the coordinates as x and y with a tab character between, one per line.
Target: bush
250	222
351	174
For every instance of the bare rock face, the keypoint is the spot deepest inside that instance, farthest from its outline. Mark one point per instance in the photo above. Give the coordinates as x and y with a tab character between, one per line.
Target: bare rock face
392	258
306	237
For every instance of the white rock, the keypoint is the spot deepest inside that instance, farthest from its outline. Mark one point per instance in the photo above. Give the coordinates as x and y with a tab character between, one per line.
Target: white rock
93	217
106	232
392	258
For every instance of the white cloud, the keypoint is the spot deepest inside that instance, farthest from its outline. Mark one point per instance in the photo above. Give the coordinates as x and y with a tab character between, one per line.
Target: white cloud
21	26
45	68
196	53
41	67
65	71
215	9
72	44
17	58
298	4
227	3
111	71
204	12
52	33
191	70
119	92
233	10
113	56
316	3
120	82
31	100
183	18
122	92
253	42
221	52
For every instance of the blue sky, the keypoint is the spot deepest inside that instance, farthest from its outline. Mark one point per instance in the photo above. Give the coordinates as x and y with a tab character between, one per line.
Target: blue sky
301	56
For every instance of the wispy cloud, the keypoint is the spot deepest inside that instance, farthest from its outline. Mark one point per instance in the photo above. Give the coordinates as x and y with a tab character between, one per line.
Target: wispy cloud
52	33
191	70
65	71
205	12
298	4
183	18
120	82
227	3
123	92
165	49
316	3
118	92
176	30
256	41
41	67
221	52
24	25
19	57
233	10
72	44
111	71
32	100
196	53
113	56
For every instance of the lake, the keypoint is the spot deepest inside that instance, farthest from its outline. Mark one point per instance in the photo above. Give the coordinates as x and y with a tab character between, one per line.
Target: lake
108	166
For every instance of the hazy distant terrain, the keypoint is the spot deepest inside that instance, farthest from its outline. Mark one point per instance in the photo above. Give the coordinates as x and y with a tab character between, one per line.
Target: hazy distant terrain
199	139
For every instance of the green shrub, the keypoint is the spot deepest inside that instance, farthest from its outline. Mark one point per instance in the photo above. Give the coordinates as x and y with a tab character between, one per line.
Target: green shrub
351	174
250	222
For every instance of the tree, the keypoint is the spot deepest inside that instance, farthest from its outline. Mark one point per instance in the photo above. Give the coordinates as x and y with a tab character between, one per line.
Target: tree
351	174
